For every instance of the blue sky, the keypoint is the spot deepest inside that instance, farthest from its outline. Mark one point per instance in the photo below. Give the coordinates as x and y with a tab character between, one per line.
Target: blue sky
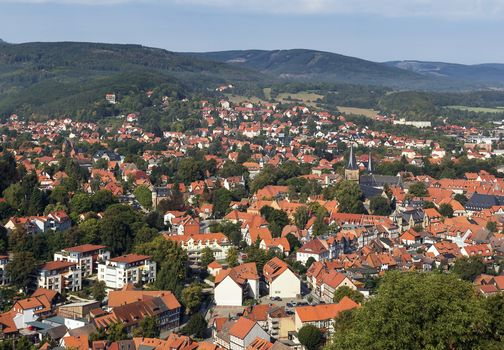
465	31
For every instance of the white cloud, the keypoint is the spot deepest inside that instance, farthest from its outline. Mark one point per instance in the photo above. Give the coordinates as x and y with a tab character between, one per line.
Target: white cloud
388	8
454	9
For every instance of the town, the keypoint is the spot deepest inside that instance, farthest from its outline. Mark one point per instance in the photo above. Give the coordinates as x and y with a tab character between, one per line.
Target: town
259	227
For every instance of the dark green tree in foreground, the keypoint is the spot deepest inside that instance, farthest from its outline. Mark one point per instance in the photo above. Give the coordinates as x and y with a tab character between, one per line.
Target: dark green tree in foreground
417	311
345	291
468	268
311	337
207	256
99	290
147	328
22	270
196	327
380	206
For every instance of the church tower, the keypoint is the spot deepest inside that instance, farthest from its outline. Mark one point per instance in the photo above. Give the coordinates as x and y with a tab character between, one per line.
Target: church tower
370	165
352	170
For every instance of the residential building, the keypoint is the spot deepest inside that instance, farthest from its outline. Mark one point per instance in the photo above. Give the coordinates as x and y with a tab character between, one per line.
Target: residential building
195	243
282	281
86	257
323	315
243	332
131	268
312	249
60	276
233	285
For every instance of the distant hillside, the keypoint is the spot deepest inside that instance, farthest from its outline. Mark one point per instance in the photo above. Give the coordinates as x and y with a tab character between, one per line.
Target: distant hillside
311	65
478	73
63	77
315	65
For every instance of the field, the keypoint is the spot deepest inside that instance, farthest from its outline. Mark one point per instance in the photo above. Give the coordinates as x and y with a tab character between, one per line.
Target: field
267	93
478	109
370	113
237	99
307	98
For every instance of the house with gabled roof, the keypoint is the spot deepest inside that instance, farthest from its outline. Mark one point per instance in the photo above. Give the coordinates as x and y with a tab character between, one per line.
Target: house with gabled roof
243	332
281	280
322	315
233	284
312	249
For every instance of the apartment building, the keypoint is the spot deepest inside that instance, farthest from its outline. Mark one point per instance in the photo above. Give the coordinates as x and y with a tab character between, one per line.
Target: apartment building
86	256
130	268
60	276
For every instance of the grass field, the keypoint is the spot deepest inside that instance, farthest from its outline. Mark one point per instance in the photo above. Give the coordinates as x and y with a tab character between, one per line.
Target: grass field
478	109
370	113
267	93
237	99
307	98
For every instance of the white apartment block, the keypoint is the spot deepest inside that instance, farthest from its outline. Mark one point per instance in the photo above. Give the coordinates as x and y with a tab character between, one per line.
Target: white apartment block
86	256
131	268
60	276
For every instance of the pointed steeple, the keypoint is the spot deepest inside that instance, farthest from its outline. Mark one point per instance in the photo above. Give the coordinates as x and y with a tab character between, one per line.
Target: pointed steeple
352	163
370	164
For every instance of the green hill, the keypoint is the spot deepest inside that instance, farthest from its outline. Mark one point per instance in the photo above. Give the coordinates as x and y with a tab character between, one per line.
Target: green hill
478	73
67	76
311	65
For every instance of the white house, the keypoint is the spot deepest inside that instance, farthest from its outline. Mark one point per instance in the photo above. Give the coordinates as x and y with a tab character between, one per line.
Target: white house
231	285
281	280
244	332
312	249
195	243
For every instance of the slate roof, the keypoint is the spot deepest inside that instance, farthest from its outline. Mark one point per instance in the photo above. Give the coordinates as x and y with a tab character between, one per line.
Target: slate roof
479	201
381	180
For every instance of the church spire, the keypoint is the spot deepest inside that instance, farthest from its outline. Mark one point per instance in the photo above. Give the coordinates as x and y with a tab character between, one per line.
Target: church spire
352	163
370	163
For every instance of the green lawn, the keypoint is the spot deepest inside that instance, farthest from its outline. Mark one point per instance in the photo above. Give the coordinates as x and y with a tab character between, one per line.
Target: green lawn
478	109
305	97
367	112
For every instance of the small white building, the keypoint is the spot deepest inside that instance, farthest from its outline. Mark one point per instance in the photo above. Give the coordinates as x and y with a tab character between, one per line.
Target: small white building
232	285
312	249
131	268
281	280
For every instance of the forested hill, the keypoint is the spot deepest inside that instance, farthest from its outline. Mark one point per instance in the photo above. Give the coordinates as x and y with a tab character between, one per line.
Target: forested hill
65	76
312	65
478	73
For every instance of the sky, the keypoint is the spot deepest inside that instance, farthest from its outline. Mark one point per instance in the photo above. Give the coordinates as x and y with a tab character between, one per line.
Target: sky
460	31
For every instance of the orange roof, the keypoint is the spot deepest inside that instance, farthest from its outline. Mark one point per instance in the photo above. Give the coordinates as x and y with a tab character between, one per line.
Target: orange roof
324	311
240	274
122	297
241	328
7	322
80	342
259	344
274	268
56	265
214	265
85	248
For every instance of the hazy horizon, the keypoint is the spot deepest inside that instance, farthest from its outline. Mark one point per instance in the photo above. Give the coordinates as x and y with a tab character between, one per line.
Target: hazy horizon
455	31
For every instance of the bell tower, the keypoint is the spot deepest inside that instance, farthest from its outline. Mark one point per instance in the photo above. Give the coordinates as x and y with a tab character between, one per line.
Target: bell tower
352	170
